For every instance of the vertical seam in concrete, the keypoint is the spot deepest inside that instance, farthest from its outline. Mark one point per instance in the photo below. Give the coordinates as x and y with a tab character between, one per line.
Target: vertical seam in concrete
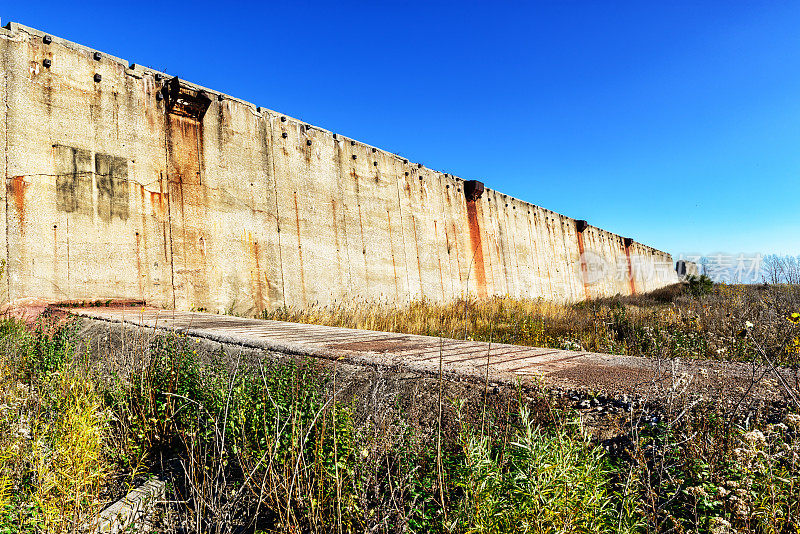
446	216
549	265
391	250
169	209
363	243
5	181
436	234
277	212
355	175
491	206
198	127
438	254
512	232
454	235
343	189
534	249
300	251
502	245
631	280
567	275
402	233
444	213
419	264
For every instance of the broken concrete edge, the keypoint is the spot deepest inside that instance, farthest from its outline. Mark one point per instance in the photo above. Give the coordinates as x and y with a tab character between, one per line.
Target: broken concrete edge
30	309
126	512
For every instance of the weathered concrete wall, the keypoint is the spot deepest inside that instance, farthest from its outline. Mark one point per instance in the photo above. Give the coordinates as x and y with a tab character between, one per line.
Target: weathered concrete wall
684	269
122	184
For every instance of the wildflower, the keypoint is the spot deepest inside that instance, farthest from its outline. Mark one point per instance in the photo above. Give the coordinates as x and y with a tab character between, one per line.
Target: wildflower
795	317
717	525
755	438
778	427
793	420
748	324
697	491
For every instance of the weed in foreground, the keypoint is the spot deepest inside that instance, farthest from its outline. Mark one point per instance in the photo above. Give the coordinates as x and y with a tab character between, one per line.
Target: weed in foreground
276	445
52	432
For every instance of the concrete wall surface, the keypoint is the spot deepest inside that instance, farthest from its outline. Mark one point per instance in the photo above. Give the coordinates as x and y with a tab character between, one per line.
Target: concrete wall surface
122	182
684	269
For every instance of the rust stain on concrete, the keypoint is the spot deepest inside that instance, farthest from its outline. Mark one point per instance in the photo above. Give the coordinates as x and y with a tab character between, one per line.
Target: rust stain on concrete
582	253
438	255
419	262
626	243
455	235
189	215
476	247
336	241
157	203
255	274
18	186
152	125
139	264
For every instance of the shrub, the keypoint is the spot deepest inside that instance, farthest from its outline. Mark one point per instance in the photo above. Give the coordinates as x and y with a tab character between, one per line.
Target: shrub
699	286
53	423
540	482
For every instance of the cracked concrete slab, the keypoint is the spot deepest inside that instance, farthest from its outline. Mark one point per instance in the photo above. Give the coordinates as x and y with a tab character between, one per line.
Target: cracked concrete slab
460	359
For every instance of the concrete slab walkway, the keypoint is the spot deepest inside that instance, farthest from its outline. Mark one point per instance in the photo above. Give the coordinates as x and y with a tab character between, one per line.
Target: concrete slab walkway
466	359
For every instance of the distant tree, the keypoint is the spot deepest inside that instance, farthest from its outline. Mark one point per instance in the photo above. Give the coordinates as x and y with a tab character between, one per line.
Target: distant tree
699	285
778	269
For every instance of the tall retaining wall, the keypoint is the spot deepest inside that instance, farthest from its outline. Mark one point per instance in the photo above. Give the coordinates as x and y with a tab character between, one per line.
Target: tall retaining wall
122	182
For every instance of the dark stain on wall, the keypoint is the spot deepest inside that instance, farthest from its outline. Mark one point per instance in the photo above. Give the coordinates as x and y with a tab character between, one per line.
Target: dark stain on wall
73	179
111	173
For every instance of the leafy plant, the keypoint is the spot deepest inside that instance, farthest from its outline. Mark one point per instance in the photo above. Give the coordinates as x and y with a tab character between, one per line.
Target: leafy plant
699	286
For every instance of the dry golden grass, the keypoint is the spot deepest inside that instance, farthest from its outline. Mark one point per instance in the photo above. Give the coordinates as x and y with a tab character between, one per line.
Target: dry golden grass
53	429
666	323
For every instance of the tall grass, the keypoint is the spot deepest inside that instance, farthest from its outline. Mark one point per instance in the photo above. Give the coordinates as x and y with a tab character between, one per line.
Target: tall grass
269	445
262	443
53	430
673	322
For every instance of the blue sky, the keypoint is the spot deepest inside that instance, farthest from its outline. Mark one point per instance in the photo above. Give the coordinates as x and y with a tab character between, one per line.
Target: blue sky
675	123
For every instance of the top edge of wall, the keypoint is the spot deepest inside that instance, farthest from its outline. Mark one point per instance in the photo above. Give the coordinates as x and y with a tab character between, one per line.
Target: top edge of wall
508	199
13	28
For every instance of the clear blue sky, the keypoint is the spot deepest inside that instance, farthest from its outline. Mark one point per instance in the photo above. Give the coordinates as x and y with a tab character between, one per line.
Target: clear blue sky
675	123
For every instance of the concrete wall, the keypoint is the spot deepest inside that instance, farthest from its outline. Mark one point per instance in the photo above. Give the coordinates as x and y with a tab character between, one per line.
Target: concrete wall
111	195
684	269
